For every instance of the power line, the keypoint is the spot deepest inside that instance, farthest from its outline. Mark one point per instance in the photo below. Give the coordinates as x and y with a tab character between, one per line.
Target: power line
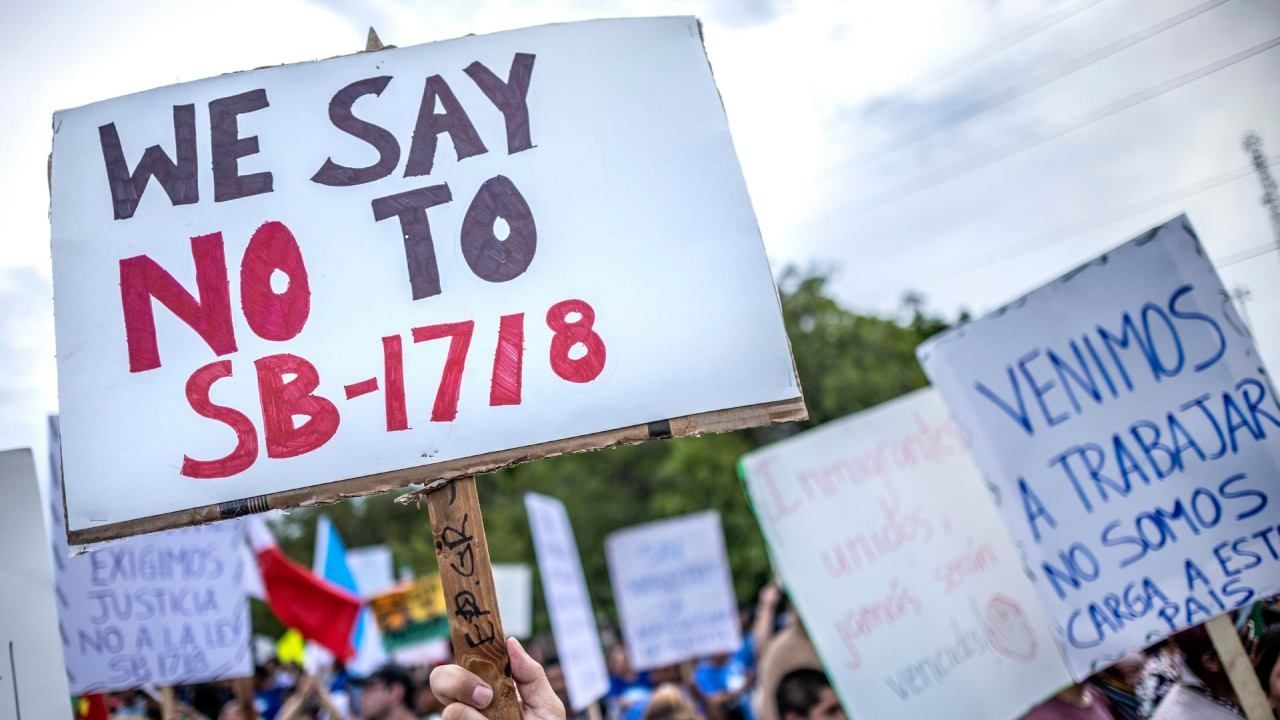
930	179
1248	254
994	100
1080	227
992	48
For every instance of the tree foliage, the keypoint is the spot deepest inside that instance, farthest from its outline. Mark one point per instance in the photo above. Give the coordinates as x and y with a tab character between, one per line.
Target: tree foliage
846	362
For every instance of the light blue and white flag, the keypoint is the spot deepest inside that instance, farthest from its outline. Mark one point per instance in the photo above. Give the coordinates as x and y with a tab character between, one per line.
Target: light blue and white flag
331	564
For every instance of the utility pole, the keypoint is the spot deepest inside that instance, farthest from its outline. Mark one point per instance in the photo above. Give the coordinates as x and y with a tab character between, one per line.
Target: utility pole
1270	195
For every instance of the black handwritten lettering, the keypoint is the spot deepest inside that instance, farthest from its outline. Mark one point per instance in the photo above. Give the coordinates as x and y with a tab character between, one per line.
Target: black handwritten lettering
481	639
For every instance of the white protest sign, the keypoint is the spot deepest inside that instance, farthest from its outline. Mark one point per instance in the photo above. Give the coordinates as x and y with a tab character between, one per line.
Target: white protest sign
907	581
673	590
271	280
1126	422
373	570
167	608
513	584
564	587
33	681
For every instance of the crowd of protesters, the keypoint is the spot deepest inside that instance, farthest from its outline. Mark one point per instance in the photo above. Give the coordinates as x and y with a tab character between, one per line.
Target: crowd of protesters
726	686
775	675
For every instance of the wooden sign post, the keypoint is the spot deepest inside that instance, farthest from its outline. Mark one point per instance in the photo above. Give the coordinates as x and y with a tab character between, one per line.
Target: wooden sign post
475	625
1239	669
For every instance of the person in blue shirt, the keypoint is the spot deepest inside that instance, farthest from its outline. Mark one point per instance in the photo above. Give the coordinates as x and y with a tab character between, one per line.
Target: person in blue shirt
629	691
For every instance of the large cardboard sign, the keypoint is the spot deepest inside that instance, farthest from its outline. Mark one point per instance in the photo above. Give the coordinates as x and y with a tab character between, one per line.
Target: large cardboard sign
673	590
458	255
564	588
1132	435
908	583
168	608
33	682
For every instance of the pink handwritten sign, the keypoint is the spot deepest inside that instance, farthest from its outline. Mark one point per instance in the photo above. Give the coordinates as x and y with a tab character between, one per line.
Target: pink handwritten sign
893	551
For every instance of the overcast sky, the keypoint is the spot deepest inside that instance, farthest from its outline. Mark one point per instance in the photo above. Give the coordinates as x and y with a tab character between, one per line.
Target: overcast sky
910	145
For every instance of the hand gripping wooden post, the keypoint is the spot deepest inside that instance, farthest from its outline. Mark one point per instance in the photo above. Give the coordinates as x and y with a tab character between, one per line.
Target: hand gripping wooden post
466	574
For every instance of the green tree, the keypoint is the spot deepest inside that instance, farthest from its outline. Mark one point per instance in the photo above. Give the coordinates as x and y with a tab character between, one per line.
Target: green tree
846	362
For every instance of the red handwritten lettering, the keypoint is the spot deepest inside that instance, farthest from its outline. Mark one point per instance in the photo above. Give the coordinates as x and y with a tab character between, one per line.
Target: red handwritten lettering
973	561
282	399
246	449
142	279
859	623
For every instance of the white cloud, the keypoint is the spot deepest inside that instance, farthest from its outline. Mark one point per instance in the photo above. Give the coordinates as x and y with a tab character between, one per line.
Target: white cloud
796	78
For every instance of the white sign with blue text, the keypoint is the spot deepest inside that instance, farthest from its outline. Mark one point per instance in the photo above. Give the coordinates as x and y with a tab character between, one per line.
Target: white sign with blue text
163	609
673	590
167	608
1133	435
564	587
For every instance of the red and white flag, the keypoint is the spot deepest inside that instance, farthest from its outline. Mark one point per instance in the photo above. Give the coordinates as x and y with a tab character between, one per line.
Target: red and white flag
323	612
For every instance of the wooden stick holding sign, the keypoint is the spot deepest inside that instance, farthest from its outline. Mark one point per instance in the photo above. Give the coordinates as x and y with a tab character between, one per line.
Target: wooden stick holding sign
475	626
1239	669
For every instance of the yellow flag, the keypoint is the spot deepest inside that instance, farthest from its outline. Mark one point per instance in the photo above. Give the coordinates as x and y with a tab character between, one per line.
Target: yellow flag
290	647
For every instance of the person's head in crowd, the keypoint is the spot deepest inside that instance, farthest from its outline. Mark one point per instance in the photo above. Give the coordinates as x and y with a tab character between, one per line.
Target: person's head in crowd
666	674
207	699
806	694
619	665
719	659
669	703
1202	660
262	676
555	675
1127	671
387	694
425	702
1268	667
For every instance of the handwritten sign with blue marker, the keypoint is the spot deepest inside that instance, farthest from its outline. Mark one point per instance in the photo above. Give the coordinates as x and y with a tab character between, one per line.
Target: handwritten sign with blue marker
1133	435
673	589
167	608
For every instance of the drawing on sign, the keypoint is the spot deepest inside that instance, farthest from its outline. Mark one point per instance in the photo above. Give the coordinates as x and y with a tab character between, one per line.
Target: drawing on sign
1123	415
289	312
1008	629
